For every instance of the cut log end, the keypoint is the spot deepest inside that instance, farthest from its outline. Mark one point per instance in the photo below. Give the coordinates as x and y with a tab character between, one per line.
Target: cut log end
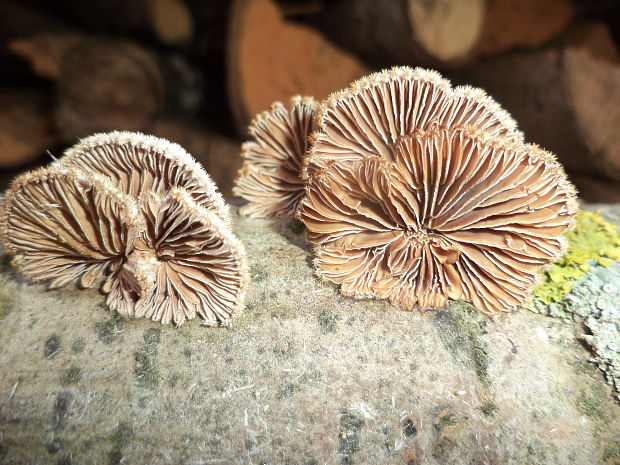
107	85
271	59
446	30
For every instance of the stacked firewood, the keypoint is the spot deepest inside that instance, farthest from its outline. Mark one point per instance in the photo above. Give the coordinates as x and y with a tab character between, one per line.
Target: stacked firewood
196	72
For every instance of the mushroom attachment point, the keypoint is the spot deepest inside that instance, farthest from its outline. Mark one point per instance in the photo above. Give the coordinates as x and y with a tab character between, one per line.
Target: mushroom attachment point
136	214
419	193
270	176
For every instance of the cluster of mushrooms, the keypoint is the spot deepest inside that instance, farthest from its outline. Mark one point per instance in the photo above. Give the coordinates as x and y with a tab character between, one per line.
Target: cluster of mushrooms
410	190
139	216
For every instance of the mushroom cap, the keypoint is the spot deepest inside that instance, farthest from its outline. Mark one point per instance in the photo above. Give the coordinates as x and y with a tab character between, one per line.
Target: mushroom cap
65	226
139	164
188	259
137	213
375	112
458	213
270	176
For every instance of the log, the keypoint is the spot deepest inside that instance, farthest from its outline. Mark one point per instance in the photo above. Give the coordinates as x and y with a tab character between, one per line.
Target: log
271	59
564	97
511	24
595	188
219	155
106	85
168	21
441	33
26	127
305	376
171	21
45	51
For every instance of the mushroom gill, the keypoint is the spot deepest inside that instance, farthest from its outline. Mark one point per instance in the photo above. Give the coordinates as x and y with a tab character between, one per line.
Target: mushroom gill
185	262
139	165
64	227
270	176
375	112
137	213
444	213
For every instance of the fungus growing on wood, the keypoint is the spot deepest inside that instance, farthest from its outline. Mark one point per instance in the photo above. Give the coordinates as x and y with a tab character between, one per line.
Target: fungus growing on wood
137	213
456	213
270	177
419	193
374	113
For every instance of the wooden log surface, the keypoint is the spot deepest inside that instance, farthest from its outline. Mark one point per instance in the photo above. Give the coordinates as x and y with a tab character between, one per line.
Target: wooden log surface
105	85
169	22
271	59
26	126
441	33
510	24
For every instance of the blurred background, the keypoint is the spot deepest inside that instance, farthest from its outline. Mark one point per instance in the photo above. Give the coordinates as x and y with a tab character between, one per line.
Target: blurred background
196	72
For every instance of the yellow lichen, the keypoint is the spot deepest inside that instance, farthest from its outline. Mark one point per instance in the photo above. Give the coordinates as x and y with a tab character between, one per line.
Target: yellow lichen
592	241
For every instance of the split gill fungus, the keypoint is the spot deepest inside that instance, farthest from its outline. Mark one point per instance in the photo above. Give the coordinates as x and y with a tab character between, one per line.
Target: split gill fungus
137	214
413	190
418	192
270	176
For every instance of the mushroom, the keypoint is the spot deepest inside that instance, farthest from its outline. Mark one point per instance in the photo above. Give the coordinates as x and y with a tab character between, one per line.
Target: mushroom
137	213
375	112
419	193
270	176
139	165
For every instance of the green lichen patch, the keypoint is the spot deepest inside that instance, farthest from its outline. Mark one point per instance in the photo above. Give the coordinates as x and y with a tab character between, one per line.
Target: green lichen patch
349	435
488	408
592	241
77	347
111	329
60	411
611	453
71	375
258	272
591	400
51	346
459	329
145	369
53	446
287	391
123	436
6	304
328	321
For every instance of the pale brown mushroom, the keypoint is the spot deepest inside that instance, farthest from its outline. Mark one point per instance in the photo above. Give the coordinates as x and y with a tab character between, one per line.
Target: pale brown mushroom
270	176
141	165
138	213
375	112
64	226
446	213
185	262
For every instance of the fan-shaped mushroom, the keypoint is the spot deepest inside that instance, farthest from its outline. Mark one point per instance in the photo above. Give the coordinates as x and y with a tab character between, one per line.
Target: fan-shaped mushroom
270	176
375	112
137	212
456	213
